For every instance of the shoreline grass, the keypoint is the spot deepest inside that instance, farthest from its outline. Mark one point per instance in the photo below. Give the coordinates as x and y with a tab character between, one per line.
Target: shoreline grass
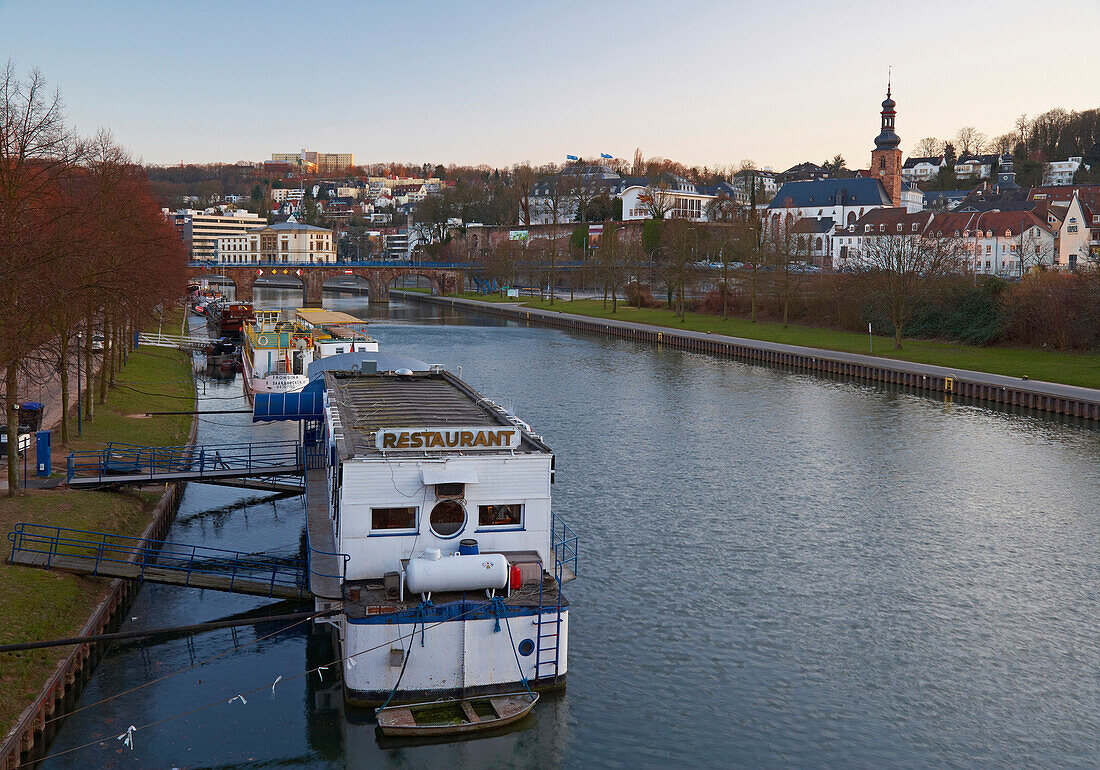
1081	369
40	604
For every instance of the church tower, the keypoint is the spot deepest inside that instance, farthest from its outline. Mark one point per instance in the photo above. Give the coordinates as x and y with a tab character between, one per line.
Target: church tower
886	157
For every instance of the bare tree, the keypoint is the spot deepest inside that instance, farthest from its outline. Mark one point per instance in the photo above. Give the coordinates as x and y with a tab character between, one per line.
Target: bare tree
901	271
928	147
556	205
658	198
971	141
36	152
524	178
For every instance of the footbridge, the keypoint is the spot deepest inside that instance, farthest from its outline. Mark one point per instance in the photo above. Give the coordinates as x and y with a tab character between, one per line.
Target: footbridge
444	277
155	561
277	463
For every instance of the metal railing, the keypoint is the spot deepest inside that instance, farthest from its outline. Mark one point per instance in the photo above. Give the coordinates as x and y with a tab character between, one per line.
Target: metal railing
99	549
172	341
341	559
115	459
344	263
566	545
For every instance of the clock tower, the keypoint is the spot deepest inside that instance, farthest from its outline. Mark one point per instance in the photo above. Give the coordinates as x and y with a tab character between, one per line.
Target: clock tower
886	157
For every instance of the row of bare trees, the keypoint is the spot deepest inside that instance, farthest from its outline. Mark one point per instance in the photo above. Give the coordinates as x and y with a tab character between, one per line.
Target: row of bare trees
84	250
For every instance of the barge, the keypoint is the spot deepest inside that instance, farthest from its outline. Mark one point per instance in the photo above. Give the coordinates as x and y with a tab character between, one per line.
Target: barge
276	354
431	533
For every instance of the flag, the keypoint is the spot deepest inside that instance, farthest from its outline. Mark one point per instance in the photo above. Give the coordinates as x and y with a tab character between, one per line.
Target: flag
571	157
605	155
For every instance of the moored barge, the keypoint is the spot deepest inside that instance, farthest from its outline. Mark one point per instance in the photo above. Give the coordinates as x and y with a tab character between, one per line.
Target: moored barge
431	530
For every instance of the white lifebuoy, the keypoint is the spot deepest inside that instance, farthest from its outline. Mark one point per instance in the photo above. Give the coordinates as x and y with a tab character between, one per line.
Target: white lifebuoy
263	341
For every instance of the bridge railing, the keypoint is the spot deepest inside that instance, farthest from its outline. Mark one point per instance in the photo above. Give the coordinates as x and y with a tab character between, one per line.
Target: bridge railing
97	550
346	263
117	459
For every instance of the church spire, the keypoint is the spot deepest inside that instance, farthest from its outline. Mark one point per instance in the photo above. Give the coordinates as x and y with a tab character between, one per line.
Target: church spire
887	139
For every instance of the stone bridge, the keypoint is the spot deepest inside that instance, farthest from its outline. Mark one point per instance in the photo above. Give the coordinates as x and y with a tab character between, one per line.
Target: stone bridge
443	279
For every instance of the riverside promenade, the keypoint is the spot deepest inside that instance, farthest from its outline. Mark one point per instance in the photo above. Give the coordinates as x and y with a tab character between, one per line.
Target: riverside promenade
1069	400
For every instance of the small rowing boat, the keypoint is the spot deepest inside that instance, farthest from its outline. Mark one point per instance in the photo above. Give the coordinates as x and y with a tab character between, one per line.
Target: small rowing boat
456	717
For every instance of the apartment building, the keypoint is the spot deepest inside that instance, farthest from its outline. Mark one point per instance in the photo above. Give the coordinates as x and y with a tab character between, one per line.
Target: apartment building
200	230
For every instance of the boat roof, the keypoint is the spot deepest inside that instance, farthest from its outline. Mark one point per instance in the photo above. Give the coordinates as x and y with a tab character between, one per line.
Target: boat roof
316	316
367	402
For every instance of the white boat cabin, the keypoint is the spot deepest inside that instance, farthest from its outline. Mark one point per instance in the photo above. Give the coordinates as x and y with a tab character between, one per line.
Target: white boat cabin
423	463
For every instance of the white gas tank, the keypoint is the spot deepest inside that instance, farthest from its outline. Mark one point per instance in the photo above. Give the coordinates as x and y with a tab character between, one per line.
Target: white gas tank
461	572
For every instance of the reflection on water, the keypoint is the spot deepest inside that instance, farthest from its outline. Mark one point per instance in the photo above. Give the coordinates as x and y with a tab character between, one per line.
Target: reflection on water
777	569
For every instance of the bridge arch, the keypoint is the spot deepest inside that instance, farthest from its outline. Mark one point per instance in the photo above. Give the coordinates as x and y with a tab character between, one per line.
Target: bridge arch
277	280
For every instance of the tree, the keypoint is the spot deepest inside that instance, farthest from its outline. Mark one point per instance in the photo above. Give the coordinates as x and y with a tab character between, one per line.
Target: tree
971	141
611	263
658	198
950	155
681	245
784	250
835	166
928	147
556	204
903	270
36	153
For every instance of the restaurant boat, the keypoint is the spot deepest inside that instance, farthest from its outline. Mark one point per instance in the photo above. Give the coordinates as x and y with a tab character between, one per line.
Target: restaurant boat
276	353
430	533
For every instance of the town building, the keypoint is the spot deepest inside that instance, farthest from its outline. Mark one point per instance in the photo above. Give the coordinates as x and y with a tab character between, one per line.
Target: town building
285	243
803	172
319	161
971	166
1004	243
1061	172
681	199
283	194
765	182
850	243
200	230
923	169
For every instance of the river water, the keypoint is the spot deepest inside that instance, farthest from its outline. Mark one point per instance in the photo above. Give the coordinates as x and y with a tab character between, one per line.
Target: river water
777	570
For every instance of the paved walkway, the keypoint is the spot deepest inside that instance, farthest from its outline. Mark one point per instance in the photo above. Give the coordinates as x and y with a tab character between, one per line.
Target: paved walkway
1038	387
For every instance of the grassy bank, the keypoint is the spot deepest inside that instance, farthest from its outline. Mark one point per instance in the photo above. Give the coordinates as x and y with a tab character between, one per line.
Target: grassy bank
38	604
1081	369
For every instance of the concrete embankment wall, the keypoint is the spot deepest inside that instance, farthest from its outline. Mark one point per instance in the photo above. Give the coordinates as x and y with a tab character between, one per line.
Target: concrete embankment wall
992	388
30	737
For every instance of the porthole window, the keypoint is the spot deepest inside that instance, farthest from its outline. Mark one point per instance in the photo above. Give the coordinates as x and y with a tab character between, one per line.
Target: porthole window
526	647
447	518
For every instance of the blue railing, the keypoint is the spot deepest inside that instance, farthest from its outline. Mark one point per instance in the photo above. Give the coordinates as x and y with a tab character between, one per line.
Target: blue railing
260	459
99	549
566	545
341	559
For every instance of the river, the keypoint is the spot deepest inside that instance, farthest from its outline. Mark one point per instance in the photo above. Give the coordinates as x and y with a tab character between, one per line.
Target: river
776	569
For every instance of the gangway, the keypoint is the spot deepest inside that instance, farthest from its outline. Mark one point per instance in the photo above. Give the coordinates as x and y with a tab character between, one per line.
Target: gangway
130	464
177	341
155	561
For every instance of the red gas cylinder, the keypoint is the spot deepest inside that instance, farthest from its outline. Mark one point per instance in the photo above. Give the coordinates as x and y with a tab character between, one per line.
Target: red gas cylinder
515	578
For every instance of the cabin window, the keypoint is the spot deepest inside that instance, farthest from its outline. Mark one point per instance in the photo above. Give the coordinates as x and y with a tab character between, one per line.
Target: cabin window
447	518
393	518
452	489
506	515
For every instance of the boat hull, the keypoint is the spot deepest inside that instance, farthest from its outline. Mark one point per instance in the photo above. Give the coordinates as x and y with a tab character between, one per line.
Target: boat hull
273	383
461	658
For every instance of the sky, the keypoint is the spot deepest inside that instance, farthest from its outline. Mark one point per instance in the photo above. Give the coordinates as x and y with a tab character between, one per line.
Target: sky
704	83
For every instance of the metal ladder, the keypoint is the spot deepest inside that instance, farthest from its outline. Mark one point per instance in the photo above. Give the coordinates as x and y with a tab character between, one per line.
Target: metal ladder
564	546
548	628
